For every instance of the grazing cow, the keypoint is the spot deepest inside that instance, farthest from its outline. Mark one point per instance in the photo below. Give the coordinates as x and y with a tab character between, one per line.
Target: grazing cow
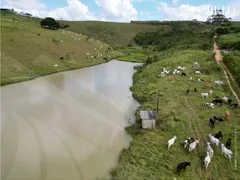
229	101
174	72
193	145
209	149
228	143
219	135
210	92
227	114
190	79
211	123
207	86
207	160
200	80
167	72
188	141
225	98
184	74
219	119
204	95
187	91
211	105
183	166
198	72
181	68
171	142
214	140
217	101
226	152
195	89
195	65
218	83
178	72
235	105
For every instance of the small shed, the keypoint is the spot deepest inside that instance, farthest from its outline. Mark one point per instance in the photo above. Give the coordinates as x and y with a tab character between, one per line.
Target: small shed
148	119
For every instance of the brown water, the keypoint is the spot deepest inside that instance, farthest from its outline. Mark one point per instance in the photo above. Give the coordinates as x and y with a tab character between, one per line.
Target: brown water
68	125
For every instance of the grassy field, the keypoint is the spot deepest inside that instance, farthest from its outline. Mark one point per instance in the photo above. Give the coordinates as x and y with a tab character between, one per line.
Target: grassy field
114	34
29	51
134	54
181	115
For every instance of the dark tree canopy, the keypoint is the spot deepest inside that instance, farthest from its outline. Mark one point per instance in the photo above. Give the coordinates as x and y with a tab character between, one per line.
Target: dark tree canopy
50	23
217	18
28	14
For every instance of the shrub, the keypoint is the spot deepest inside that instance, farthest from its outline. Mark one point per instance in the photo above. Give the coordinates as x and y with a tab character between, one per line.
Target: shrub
222	30
63	26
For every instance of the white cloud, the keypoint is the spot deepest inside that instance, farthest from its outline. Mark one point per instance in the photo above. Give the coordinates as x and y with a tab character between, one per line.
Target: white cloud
175	1
234	10
188	12
117	10
24	4
113	10
184	12
74	11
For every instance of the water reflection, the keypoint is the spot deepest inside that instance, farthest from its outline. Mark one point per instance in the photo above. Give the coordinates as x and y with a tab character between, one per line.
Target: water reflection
68	125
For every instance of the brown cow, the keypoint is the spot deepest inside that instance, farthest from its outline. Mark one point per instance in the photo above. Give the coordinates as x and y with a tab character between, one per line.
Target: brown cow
227	114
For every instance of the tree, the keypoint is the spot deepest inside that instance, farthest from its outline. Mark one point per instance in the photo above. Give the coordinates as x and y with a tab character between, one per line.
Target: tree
28	14
217	18
50	23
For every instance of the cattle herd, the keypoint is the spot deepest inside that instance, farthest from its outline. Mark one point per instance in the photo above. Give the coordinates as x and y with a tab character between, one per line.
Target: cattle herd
214	140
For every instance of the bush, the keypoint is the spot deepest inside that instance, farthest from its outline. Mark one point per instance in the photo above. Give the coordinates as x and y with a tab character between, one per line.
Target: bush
222	30
50	23
63	26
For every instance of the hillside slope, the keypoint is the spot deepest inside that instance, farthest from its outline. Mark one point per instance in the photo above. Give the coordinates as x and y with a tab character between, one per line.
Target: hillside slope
179	115
29	51
114	34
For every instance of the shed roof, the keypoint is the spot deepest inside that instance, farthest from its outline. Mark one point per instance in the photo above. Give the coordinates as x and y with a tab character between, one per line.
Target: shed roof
151	115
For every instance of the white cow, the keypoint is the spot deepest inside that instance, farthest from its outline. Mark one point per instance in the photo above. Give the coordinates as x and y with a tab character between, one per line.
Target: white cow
209	149
211	105
225	98
213	140
210	92
207	160
218	83
193	145
198	72
226	152
171	141
204	95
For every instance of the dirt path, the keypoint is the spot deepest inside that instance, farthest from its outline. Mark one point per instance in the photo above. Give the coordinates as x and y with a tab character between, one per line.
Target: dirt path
219	60
218	56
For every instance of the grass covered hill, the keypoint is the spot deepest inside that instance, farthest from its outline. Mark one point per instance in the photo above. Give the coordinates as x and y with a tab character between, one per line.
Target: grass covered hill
29	51
112	33
181	115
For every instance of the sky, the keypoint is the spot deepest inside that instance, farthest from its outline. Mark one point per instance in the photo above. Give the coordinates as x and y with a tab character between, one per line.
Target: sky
125	10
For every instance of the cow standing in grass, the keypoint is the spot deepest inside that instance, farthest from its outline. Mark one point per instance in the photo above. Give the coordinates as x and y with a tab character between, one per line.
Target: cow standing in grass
182	166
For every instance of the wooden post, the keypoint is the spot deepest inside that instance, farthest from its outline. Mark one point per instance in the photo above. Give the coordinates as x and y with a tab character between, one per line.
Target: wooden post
157	103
